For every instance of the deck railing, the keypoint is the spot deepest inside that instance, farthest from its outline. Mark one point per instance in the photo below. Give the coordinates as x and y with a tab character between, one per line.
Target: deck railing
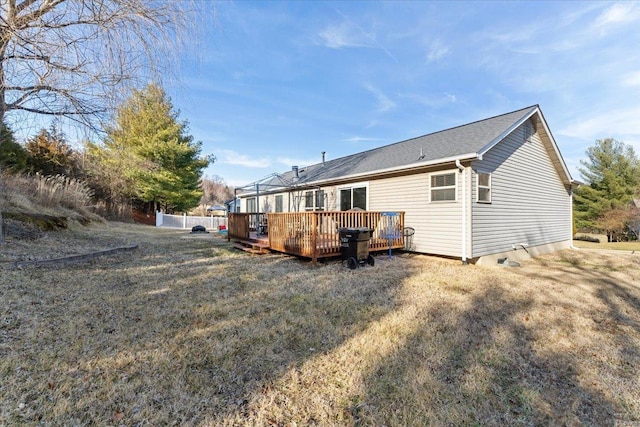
316	234
238	227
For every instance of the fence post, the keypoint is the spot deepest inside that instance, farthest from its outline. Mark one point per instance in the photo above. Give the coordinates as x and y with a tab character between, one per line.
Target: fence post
184	220
314	237
211	222
158	219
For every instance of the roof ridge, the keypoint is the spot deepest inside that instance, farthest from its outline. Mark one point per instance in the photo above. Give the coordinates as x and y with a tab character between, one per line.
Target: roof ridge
426	134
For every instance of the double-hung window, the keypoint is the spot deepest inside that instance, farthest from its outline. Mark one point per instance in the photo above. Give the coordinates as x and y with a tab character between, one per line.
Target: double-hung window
483	189
443	187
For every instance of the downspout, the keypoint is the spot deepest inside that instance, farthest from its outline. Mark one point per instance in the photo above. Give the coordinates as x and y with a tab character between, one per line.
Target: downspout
464	211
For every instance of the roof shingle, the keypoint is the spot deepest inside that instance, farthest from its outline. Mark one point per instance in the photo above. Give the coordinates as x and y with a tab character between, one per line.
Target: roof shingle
454	142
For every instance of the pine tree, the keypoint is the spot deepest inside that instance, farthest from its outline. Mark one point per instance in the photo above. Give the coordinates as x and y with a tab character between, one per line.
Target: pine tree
613	176
12	155
48	153
157	155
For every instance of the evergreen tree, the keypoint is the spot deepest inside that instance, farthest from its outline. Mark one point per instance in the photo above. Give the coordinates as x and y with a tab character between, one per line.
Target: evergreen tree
12	155
160	159
48	153
613	176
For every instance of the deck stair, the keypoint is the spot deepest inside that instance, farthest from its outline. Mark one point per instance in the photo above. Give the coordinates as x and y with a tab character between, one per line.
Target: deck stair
252	246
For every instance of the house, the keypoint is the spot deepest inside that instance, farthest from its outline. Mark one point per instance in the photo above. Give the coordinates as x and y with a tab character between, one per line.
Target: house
217	210
479	192
232	205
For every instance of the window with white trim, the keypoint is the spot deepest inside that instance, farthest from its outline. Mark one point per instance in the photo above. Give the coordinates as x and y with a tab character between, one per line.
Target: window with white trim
354	197
279	204
483	187
252	207
314	200
443	187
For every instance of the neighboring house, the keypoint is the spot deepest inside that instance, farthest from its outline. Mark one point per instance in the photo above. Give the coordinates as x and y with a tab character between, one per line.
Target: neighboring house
217	210
482	191
232	205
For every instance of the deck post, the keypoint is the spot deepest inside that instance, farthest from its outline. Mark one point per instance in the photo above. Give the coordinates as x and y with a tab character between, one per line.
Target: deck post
314	237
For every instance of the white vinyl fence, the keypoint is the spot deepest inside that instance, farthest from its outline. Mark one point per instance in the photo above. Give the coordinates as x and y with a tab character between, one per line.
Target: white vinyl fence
183	221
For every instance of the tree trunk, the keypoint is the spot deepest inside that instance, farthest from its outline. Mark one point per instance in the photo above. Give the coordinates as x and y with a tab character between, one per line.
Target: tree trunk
2	241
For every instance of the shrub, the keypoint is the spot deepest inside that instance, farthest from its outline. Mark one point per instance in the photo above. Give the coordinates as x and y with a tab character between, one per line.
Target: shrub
49	191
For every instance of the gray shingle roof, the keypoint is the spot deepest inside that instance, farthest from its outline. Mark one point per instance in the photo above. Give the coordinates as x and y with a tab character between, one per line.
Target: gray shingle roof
446	144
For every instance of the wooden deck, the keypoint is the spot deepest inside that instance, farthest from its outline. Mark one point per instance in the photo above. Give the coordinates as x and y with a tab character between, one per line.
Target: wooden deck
316	234
252	246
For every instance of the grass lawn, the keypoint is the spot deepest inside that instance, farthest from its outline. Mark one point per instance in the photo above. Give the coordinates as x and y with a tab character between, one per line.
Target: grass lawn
615	246
187	331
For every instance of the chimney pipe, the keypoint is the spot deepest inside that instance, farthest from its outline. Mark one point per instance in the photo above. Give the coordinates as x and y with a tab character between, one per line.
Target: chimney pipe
323	153
296	174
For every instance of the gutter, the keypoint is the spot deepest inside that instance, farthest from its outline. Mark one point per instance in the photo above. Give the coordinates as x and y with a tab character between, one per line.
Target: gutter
331	181
464	210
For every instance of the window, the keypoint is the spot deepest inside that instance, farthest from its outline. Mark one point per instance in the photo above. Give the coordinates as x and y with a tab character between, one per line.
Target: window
443	187
314	200
353	198
251	205
345	199
483	187
320	200
279	203
308	200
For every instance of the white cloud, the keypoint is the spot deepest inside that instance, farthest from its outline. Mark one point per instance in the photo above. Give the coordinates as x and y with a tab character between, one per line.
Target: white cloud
632	79
384	102
290	161
430	100
521	34
231	157
437	51
357	139
619	13
349	34
343	35
619	124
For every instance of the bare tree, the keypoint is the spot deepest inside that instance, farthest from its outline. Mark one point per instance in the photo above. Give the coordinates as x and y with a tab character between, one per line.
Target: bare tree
215	192
76	59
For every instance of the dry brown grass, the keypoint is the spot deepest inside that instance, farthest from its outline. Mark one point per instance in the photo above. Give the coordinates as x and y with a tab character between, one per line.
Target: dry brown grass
189	332
604	245
53	195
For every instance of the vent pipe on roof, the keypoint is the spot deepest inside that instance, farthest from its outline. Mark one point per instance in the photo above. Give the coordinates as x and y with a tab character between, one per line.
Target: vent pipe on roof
296	173
323	153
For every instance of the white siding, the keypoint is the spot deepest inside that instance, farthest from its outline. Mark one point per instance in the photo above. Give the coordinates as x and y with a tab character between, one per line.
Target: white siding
292	201
437	225
529	203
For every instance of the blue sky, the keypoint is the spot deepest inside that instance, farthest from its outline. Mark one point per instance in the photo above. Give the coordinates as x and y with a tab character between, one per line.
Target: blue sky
276	83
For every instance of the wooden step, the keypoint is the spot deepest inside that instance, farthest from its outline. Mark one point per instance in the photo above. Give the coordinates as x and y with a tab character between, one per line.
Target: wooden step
252	247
